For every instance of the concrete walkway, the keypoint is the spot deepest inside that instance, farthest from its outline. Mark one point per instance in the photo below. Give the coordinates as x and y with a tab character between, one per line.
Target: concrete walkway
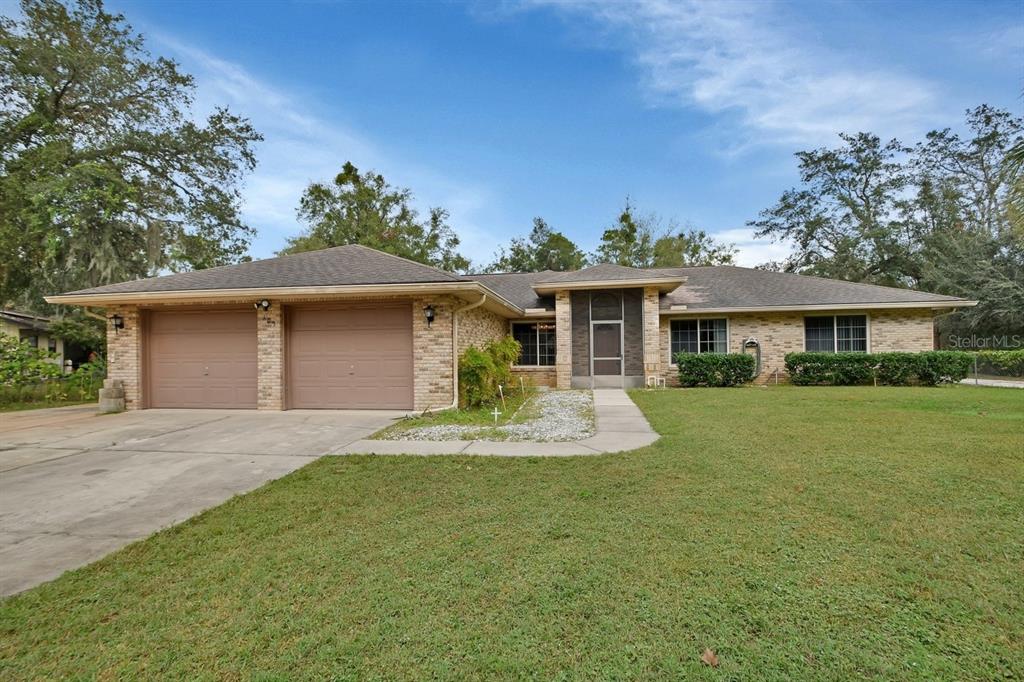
1001	383
620	426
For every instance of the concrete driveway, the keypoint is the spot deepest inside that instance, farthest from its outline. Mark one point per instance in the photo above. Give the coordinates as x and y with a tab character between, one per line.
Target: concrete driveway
75	485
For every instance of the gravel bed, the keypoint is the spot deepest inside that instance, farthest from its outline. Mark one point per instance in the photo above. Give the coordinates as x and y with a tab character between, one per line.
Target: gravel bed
564	415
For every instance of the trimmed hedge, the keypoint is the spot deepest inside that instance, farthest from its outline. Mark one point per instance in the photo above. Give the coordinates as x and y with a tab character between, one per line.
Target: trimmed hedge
1009	362
928	368
714	369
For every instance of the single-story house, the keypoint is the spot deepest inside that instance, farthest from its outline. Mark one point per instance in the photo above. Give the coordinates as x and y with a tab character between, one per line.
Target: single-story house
351	327
33	330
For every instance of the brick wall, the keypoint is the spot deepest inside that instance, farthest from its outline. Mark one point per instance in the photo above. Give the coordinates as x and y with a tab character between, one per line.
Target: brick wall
124	354
537	376
270	354
478	327
782	333
432	352
563	340
902	330
652	334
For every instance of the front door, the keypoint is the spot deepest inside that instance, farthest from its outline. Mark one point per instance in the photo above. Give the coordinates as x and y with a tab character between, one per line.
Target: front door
607	357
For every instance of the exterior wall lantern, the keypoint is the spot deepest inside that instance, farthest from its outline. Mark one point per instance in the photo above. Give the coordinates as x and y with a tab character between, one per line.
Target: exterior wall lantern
428	313
117	322
263	305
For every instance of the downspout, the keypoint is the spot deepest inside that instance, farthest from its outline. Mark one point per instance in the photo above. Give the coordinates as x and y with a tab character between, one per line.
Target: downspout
455	353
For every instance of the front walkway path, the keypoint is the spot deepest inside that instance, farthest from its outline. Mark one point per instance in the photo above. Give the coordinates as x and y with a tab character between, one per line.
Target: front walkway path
1001	383
620	426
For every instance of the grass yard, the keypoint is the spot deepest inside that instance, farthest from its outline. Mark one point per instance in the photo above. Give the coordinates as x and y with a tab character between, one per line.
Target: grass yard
22	406
801	533
469	416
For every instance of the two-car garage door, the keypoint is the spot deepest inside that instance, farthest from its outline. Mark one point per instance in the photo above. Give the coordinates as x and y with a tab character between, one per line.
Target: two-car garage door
337	357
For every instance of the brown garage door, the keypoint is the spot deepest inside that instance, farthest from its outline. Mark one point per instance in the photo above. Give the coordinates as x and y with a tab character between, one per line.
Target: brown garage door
202	359
350	357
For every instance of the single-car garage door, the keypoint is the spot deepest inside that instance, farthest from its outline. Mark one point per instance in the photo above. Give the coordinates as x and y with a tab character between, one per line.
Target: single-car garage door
350	357
201	358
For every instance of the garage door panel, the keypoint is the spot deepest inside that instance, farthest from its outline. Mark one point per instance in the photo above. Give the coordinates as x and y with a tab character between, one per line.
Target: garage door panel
350	357
202	359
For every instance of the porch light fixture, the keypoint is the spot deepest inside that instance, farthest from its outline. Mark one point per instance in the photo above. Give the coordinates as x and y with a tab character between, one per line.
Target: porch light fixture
428	313
263	305
117	322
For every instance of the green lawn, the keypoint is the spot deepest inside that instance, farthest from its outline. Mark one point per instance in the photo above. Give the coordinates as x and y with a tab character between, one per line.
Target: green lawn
21	406
801	533
483	417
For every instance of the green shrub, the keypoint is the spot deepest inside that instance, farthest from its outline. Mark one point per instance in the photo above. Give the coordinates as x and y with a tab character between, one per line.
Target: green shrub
481	371
895	369
23	365
830	369
1008	362
714	369
28	375
928	368
943	367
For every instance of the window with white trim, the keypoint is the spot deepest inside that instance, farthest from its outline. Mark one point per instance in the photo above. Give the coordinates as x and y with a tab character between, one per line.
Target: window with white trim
836	333
537	340
699	336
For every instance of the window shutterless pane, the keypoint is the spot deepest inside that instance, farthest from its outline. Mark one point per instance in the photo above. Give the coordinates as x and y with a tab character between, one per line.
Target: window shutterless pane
526	335
684	336
713	338
537	340
852	333
819	334
545	344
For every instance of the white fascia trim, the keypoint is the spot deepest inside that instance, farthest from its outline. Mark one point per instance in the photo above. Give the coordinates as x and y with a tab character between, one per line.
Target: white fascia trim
824	306
280	294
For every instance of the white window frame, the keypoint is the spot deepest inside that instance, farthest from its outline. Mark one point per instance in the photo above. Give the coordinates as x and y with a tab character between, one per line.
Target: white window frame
536	322
835	331
728	336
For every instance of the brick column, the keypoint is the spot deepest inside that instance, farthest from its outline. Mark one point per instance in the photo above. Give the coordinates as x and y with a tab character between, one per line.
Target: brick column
270	358
432	356
652	334
563	340
124	353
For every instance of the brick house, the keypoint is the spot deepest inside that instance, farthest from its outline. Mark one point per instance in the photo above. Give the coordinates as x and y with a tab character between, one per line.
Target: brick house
351	327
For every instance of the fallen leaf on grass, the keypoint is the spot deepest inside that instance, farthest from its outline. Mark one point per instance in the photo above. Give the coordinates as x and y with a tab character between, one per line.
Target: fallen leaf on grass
709	658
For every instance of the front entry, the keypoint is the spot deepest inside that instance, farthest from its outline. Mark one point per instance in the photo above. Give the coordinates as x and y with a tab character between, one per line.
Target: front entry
607	354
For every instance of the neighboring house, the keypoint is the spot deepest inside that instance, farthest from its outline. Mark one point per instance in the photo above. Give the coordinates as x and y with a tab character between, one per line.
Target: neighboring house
32	329
351	327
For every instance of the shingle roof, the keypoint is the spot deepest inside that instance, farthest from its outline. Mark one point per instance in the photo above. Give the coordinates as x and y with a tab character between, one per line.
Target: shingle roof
721	286
703	288
25	320
599	273
517	287
725	286
341	265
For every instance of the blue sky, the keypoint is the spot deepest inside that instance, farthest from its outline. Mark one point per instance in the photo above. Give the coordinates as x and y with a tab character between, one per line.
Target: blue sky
505	111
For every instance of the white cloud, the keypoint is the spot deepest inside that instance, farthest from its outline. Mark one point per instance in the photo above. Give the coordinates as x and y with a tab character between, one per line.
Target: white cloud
302	145
776	84
753	251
